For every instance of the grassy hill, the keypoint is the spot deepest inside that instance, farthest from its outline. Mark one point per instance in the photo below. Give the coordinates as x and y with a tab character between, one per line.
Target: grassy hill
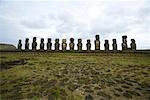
74	76
7	47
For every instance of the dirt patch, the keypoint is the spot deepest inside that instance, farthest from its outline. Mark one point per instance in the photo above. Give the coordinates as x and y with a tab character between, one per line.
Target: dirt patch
10	64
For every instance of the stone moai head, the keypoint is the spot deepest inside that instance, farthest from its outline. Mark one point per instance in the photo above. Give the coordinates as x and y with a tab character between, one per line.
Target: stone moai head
79	45
19	45
114	45
63	40
56	40
79	40
34	39
106	45
114	41
133	44
97	37
27	40
124	39
71	40
132	41
49	44
97	43
42	44
124	44
71	44
42	40
49	40
88	45
57	44
64	44
27	44
34	44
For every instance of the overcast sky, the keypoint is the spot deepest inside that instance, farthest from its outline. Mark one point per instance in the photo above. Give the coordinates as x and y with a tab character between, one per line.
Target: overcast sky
78	19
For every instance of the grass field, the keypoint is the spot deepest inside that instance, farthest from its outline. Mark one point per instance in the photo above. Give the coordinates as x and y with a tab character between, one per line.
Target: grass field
74	76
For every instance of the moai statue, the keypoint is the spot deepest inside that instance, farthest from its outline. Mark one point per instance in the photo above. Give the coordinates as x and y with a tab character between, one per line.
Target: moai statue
124	44
27	44
71	44
97	43
88	45
42	44
19	45
114	45
106	45
49	44
34	44
79	45
133	44
64	44
57	44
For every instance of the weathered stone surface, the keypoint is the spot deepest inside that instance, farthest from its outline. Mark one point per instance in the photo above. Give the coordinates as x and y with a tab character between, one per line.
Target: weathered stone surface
97	43
88	45
19	45
133	44
42	44
114	45
49	44
79	45
71	44
34	44
88	97
6	47
124	42
27	44
64	44
106	45
57	44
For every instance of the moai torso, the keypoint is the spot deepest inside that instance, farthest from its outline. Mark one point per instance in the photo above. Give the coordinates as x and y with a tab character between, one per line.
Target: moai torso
19	45
49	44
88	45
42	44
27	44
79	45
97	43
133	44
124	44
64	44
34	44
114	45
71	44
106	45
57	44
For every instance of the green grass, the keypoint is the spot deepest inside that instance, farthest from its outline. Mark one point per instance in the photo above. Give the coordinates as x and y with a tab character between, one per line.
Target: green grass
73	76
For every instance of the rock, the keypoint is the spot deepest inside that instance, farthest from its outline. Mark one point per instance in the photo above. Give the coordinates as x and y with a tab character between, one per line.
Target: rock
89	97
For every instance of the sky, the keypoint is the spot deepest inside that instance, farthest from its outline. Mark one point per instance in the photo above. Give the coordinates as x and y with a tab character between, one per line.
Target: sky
20	19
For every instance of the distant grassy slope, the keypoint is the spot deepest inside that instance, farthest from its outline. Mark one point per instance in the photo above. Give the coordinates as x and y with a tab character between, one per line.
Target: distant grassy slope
74	76
7	47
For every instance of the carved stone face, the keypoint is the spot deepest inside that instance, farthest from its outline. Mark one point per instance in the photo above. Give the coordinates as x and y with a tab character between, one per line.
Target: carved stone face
106	41
97	37
79	40
71	40
132	40
114	40
63	40
19	41
56	40
27	40
34	39
49	40
88	41
42	40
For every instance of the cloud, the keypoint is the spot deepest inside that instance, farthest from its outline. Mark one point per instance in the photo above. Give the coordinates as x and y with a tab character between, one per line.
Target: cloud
78	19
